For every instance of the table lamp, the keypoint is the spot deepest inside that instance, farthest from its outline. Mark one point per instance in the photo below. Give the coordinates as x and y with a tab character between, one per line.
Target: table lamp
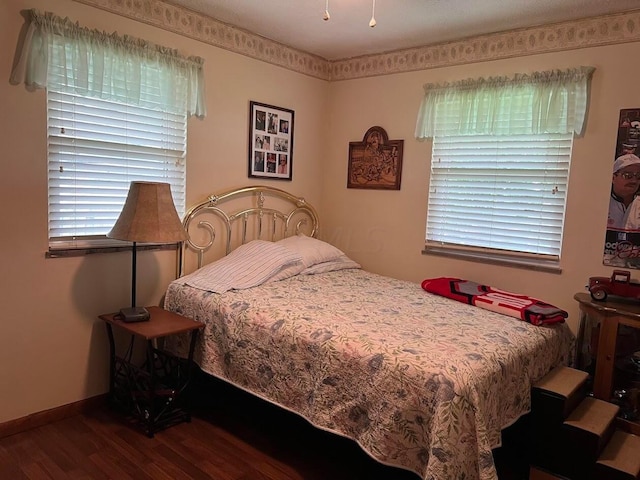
149	215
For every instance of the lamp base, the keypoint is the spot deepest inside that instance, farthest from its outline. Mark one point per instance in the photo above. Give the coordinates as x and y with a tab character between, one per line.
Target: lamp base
134	314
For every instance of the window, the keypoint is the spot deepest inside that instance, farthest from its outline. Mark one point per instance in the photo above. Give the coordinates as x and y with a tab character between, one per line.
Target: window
117	110
500	165
96	148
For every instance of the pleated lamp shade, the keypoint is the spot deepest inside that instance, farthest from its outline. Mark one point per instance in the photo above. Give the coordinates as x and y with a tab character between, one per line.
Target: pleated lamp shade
149	216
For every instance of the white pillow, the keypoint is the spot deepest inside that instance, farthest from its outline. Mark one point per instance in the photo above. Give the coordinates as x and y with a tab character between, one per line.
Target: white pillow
287	272
312	250
247	266
339	263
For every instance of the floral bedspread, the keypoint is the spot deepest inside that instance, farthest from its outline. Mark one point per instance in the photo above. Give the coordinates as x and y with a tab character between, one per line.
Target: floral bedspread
419	381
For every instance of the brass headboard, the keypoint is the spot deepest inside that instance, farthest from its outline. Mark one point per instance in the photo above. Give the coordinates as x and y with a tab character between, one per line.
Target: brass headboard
224	221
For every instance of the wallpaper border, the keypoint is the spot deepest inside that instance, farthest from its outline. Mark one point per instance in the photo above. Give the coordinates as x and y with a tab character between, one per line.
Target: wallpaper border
590	32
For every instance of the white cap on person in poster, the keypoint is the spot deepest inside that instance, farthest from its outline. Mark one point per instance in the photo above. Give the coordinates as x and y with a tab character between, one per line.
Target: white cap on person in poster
624	161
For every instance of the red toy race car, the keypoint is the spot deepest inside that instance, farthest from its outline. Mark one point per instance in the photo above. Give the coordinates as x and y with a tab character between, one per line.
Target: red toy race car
619	284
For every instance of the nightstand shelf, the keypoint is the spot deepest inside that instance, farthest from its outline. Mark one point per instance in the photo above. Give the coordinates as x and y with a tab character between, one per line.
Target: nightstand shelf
611	330
151	392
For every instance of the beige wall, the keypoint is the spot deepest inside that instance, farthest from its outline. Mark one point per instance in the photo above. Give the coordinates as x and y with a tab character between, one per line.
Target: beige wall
54	350
384	230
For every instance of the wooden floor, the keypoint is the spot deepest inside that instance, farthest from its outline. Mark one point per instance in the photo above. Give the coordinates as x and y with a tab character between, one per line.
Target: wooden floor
235	437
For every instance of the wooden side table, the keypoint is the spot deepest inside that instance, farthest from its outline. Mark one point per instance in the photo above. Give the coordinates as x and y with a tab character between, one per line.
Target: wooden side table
151	393
610	315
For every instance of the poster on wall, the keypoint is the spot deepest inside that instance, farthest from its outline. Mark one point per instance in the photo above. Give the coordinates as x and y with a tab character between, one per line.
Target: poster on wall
622	243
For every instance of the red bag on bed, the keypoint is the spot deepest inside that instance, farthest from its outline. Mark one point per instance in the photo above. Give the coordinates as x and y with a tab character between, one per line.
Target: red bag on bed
523	307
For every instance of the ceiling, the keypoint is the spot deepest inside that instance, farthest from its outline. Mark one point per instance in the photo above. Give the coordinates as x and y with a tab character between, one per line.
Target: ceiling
401	24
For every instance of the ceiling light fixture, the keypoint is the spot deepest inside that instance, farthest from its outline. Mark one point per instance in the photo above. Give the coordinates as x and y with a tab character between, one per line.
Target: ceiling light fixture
372	23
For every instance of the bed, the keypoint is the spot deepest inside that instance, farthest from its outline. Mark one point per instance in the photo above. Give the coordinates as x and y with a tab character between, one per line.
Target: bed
419	381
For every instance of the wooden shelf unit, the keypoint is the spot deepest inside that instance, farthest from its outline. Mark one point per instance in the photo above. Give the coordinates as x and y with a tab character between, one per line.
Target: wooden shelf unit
609	315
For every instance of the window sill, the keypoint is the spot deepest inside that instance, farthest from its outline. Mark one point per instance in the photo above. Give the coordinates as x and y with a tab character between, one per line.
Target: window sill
82	251
541	265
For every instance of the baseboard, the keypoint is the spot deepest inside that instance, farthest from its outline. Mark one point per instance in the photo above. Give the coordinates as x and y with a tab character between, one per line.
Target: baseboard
53	415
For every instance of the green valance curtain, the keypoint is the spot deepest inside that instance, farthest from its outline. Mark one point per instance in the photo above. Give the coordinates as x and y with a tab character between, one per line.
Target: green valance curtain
542	102
108	66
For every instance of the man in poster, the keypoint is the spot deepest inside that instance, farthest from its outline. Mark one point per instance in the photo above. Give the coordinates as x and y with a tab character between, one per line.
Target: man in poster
624	187
622	243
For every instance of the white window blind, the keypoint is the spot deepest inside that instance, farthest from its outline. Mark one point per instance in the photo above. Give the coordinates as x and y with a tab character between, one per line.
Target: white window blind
96	148
499	192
